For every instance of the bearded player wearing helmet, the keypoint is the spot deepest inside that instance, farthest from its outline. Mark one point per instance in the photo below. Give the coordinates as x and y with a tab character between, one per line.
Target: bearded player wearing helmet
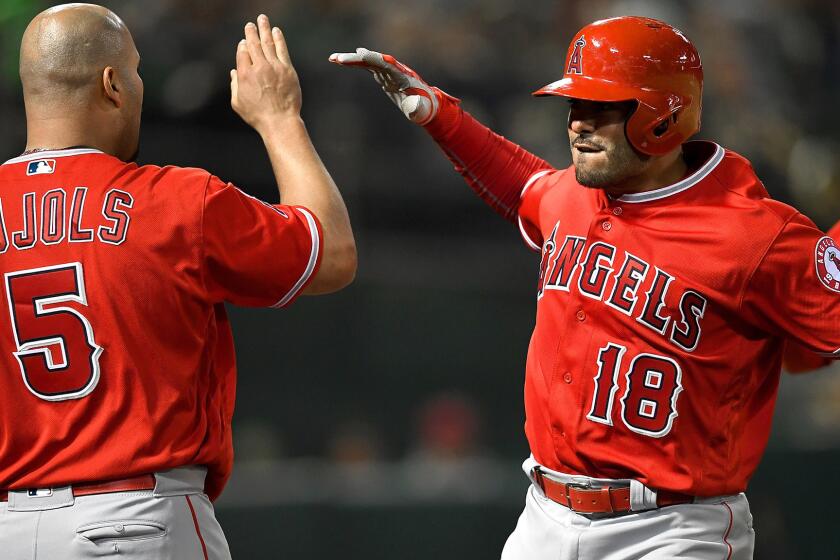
669	282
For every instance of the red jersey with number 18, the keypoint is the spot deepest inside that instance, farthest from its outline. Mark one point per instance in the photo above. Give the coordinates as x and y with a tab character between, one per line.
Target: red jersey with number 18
661	318
117	357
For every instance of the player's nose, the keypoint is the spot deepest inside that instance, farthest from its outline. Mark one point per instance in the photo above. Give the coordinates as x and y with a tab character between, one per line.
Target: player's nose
580	123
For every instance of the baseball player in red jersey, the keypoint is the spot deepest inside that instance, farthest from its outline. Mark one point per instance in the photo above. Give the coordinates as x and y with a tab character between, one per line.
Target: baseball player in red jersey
668	282
118	362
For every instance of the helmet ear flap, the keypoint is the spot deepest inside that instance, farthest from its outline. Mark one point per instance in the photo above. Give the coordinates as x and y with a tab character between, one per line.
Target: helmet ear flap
660	129
637	128
667	123
652	133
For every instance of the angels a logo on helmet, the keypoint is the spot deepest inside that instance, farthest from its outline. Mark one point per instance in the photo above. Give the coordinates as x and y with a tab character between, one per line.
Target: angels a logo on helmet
576	60
828	263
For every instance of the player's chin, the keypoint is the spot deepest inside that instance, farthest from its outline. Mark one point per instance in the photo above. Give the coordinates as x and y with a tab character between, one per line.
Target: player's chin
591	175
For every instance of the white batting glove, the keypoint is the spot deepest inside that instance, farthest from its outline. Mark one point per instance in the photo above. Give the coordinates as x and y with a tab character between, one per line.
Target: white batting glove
415	98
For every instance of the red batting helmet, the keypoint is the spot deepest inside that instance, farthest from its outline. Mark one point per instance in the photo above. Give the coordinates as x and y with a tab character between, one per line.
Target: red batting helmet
641	59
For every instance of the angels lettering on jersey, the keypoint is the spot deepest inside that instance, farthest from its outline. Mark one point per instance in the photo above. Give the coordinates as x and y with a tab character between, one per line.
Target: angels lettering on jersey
623	282
60	215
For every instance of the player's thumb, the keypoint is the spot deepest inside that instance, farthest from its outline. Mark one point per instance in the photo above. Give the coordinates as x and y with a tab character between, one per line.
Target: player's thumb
234	86
417	108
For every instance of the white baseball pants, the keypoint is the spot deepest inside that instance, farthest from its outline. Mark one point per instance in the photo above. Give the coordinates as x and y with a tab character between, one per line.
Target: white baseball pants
175	521
709	529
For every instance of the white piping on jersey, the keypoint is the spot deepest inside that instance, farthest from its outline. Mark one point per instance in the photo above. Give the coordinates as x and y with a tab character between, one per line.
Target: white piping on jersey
528	184
680	186
50	154
313	259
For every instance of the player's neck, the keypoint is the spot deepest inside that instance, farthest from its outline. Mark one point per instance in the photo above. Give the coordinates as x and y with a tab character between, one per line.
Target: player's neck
59	133
662	172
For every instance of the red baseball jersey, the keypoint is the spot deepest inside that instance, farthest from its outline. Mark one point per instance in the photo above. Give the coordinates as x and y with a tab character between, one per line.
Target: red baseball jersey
117	357
661	321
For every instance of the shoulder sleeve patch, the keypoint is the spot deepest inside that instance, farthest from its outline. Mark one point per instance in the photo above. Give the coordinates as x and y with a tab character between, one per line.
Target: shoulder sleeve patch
827	257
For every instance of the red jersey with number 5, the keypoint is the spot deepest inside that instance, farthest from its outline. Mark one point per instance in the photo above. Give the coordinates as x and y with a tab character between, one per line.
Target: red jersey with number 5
117	357
661	318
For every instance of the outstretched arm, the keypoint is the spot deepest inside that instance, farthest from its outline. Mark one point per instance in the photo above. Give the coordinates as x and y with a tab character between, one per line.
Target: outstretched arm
265	92
495	168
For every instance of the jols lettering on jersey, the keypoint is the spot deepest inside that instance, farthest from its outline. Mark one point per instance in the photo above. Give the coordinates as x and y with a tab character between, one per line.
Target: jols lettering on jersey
59	215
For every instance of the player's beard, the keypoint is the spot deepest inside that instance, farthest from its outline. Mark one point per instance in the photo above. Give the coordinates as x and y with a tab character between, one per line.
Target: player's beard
621	163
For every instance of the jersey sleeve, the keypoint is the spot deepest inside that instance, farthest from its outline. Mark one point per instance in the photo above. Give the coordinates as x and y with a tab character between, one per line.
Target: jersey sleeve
794	291
495	168
256	254
528	214
798	359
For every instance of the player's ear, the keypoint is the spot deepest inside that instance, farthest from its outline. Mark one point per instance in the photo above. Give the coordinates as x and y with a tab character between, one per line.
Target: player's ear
111	87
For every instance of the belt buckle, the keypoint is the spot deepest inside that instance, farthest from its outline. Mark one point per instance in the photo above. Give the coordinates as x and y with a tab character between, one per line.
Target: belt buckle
577	485
538	477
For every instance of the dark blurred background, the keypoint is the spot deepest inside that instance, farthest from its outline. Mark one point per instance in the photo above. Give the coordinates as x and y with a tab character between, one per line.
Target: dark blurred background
386	421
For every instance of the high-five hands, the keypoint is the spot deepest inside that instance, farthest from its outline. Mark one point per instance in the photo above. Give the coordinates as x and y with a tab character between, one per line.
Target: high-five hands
264	86
415	98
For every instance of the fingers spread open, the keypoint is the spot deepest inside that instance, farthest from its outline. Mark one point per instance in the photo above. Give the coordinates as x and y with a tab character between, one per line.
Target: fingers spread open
252	39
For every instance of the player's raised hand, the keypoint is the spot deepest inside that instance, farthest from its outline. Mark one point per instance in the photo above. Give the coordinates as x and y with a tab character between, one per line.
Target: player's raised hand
415	98
264	85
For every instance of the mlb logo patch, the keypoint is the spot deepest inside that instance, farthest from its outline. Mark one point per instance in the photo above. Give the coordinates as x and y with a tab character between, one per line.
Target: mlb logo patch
41	167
